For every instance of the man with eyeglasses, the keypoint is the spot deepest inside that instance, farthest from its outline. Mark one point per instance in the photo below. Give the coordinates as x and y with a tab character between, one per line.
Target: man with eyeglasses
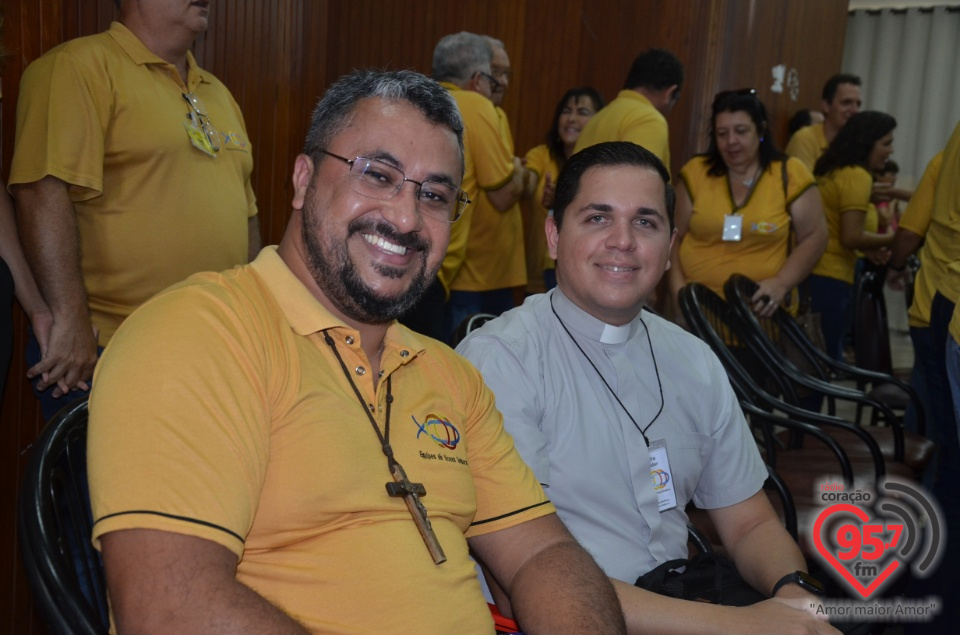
270	452
131	171
625	418
638	114
485	259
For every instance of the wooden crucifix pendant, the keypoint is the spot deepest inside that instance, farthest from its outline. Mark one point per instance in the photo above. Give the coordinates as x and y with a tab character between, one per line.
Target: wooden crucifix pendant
411	493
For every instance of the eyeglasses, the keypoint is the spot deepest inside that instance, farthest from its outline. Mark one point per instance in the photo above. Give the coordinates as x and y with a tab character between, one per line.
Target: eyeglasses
383	181
202	120
502	71
724	95
494	84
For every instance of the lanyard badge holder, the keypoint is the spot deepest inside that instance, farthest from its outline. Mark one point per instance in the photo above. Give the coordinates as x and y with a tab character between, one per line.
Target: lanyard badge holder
732	228
662	476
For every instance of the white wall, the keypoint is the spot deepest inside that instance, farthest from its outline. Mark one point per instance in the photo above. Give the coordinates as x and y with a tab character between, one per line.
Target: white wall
899	4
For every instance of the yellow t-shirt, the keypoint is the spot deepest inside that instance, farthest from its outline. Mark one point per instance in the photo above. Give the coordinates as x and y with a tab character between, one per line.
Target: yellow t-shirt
629	117
916	218
489	165
942	245
220	412
494	256
705	257
538	160
843	191
108	117
808	144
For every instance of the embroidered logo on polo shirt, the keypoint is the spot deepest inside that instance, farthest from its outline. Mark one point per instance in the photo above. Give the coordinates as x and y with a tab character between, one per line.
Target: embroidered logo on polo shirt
235	141
763	228
438	429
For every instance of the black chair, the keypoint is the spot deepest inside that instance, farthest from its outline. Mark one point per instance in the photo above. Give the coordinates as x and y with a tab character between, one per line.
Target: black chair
710	318
470	324
54	523
873	372
781	340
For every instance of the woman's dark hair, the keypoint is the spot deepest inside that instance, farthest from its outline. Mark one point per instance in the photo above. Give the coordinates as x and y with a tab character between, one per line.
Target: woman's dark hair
554	142
855	141
744	100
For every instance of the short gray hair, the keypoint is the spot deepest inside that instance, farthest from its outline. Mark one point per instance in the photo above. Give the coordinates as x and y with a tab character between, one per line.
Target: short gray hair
335	109
457	57
494	42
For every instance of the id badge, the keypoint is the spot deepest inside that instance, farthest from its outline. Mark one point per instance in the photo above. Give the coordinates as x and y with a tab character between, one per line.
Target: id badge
732	227
661	476
198	138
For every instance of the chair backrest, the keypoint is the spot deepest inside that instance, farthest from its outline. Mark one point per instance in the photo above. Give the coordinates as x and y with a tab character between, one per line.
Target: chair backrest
871	333
54	522
713	321
781	330
470	324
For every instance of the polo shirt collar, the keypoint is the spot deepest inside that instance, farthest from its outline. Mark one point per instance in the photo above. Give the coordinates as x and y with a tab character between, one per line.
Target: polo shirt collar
141	55
627	93
307	316
585	325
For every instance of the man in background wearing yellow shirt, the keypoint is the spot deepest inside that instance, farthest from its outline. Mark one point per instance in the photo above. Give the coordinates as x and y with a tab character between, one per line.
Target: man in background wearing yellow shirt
131	171
650	92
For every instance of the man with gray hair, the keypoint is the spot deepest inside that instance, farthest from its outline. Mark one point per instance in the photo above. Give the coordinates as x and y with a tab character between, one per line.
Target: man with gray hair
485	259
244	473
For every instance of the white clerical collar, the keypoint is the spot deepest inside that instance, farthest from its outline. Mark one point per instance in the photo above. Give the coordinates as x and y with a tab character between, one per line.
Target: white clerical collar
588	326
615	334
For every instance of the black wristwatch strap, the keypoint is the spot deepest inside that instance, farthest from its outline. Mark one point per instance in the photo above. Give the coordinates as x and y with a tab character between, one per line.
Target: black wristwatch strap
801	578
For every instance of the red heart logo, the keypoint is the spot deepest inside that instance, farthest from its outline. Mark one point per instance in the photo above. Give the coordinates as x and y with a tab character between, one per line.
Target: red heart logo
825	550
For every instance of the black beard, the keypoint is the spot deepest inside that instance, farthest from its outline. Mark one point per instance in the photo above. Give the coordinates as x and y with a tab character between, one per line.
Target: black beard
341	282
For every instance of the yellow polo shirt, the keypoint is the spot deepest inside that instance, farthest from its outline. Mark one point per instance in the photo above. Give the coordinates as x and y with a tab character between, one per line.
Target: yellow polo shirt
708	259
629	117
843	191
539	161
808	144
916	218
219	411
107	116
489	165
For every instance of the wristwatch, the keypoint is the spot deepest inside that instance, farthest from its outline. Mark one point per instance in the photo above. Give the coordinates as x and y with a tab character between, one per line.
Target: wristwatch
801	578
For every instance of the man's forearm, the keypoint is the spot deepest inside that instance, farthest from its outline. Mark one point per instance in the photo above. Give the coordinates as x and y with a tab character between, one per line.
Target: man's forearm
47	224
766	554
582	599
235	609
905	243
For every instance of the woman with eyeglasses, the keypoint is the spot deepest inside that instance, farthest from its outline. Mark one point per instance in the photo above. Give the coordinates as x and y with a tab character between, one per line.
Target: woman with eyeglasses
845	178
744	207
575	109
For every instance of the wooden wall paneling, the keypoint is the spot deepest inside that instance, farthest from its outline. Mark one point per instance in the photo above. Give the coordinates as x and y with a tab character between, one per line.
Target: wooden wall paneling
763	35
545	67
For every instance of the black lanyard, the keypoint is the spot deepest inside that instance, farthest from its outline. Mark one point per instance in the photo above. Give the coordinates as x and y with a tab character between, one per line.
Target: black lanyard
643	431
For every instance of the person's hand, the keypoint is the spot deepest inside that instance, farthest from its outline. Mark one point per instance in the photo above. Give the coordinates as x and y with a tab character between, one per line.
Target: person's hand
769	295
784	616
878	256
549	187
898	280
880	193
68	354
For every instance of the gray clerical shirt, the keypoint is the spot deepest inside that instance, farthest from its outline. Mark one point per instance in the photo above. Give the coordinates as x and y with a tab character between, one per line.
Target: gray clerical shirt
583	447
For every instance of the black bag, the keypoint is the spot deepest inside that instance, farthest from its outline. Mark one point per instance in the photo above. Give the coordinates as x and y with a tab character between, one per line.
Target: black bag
707	577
